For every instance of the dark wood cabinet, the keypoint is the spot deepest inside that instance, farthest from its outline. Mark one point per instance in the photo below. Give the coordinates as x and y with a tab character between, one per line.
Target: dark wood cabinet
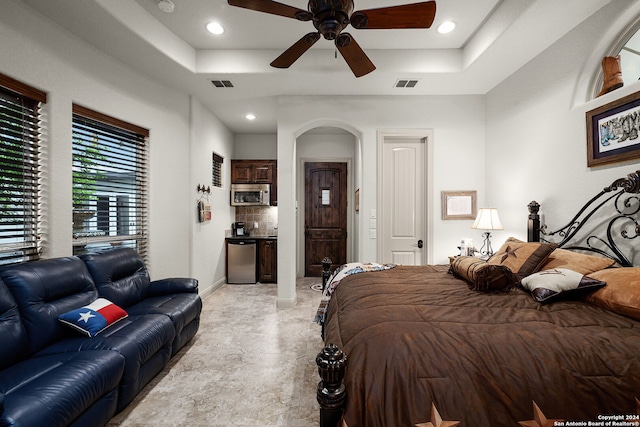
256	172
268	257
252	171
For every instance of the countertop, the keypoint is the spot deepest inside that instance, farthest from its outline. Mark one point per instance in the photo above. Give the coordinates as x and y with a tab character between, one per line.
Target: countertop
254	237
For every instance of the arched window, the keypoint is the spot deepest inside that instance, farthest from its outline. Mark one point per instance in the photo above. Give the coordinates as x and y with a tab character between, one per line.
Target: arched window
630	59
628	47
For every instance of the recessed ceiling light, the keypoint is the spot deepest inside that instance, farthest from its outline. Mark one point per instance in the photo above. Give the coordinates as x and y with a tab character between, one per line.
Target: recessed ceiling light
166	6
446	27
215	28
250	116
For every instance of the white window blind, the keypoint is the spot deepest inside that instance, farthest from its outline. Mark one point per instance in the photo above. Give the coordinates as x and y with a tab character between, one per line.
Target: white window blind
109	183
20	131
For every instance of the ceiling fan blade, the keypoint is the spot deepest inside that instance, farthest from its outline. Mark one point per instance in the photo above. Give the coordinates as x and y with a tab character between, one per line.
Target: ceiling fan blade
292	54
353	54
274	8
415	15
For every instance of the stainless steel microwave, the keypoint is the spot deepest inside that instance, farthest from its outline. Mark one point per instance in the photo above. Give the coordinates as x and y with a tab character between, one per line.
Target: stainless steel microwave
250	194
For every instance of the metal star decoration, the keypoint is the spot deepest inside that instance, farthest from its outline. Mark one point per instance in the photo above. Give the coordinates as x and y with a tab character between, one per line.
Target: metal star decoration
436	420
539	420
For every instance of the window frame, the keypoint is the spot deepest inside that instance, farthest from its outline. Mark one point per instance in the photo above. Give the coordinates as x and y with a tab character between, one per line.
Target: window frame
136	138
29	228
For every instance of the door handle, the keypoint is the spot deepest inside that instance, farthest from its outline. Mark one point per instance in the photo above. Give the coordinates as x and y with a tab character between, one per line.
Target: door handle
420	244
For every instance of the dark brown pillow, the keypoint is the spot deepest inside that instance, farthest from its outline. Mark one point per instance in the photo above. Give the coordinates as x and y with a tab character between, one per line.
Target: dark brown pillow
482	276
522	258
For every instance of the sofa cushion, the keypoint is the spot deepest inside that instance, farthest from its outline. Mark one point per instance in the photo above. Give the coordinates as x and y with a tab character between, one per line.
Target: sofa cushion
45	289
144	341
57	389
120	275
13	336
183	309
93	318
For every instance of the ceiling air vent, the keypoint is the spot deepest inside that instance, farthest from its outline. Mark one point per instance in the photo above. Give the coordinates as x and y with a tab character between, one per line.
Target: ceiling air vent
406	83
222	83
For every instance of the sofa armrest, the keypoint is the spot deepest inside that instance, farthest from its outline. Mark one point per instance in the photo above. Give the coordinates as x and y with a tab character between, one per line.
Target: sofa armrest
173	285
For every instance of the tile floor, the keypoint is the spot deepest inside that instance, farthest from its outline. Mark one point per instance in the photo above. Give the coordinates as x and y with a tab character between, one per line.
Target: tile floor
249	365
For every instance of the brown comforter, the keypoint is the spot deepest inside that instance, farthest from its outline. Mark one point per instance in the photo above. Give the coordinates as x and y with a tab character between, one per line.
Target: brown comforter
416	336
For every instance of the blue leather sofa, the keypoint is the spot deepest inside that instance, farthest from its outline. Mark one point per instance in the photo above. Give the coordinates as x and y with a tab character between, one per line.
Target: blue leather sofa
50	374
122	277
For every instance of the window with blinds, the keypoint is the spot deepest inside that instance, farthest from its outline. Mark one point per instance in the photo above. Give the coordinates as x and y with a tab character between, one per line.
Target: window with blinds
216	172
109	183
20	147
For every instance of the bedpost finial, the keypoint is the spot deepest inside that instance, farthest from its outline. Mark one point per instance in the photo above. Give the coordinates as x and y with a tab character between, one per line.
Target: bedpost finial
331	393
534	207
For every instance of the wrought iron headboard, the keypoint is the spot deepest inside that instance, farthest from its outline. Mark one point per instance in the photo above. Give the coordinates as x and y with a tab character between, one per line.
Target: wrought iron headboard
614	215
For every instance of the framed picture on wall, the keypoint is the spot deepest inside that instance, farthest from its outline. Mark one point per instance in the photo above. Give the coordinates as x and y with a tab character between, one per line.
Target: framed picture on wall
458	205
612	131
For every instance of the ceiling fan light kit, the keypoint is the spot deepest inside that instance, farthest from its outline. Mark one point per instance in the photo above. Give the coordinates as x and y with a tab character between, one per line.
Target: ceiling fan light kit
331	17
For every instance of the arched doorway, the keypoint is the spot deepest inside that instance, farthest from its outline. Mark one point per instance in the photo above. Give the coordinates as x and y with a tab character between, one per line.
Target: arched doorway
321	153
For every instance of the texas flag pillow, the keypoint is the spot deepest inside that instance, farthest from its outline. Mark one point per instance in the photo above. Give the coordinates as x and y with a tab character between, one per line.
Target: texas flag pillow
93	318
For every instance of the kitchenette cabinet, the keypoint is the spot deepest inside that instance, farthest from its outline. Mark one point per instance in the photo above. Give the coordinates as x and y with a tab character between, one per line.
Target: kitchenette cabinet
258	265
256	172
268	256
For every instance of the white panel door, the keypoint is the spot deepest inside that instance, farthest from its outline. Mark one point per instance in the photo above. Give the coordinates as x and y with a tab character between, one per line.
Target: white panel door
404	201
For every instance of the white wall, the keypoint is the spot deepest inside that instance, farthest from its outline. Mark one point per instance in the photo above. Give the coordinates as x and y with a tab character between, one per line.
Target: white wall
48	57
536	131
256	146
209	135
458	124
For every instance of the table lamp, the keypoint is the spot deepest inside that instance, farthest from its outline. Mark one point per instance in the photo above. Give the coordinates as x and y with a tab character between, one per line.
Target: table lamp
487	219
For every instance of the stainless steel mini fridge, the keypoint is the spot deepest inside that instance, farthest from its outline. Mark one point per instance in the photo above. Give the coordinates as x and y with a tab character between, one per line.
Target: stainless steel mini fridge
241	261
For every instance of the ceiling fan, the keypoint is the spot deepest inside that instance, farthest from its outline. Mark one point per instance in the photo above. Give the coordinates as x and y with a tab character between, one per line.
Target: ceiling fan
330	17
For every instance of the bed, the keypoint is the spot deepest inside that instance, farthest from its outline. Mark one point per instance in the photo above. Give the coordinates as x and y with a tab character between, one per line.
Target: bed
544	333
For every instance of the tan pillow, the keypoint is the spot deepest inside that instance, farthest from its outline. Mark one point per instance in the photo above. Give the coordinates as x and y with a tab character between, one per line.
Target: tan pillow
523	258
622	293
482	276
576	261
559	283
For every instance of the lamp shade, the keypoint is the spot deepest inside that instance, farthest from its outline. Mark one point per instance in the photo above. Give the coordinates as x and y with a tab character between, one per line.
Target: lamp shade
487	219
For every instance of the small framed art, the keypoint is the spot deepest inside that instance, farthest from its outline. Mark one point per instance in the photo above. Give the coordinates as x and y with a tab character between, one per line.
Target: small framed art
458	205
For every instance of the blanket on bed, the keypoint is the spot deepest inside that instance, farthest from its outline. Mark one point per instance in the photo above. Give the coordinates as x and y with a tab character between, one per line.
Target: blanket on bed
417	337
336	277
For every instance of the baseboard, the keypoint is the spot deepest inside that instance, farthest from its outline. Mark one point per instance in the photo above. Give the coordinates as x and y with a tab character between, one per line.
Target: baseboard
286	302
211	288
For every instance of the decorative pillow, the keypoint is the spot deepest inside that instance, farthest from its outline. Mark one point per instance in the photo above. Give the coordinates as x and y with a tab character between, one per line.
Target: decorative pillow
93	318
523	258
576	261
622	293
558	283
482	276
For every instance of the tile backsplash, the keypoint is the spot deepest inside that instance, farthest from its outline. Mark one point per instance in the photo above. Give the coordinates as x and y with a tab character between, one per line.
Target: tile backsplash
265	216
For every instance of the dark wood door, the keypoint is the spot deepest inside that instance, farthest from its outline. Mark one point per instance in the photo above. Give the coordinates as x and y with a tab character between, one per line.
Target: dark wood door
325	215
